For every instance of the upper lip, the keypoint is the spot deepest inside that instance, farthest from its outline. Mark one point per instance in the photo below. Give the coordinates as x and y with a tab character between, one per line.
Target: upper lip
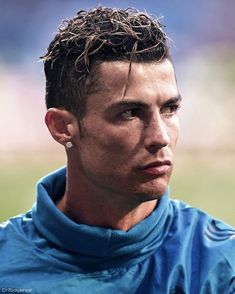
157	163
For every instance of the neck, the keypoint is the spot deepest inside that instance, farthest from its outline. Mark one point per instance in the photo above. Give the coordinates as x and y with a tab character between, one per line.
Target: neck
97	207
104	215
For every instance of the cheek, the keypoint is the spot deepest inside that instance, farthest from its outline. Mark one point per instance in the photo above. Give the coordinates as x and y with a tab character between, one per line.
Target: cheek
112	140
108	152
174	130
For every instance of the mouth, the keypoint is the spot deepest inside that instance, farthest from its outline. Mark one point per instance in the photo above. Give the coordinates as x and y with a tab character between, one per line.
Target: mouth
157	168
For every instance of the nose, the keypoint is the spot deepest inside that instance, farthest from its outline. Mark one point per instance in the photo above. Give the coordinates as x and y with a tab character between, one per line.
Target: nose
156	135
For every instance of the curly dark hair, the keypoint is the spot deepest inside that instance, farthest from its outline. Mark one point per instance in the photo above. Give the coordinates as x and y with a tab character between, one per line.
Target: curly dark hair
91	37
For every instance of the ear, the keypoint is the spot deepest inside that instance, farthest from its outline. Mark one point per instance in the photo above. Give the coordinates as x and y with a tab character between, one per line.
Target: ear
62	125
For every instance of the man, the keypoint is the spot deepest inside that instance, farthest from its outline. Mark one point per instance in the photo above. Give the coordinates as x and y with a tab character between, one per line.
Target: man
105	224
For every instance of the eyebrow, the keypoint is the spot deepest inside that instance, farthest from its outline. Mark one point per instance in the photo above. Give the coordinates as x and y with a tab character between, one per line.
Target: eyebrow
140	103
176	99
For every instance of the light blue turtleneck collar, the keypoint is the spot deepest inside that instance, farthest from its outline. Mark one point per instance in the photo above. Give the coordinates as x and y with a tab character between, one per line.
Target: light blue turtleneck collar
90	246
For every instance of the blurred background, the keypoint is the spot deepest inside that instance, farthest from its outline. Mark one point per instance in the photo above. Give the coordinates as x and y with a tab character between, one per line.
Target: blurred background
203	34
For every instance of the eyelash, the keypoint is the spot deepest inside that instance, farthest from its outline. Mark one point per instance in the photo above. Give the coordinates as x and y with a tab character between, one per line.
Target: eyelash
135	112
130	114
173	109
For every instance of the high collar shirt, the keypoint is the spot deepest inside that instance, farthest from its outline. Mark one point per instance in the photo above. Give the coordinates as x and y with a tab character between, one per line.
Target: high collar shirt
176	249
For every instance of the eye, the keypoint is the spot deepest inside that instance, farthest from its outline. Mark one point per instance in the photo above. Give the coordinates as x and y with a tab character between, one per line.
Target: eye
170	110
130	113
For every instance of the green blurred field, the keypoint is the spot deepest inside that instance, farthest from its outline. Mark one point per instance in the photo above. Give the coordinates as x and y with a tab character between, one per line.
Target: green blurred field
205	181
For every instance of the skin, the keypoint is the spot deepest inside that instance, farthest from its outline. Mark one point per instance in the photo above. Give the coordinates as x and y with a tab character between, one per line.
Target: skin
130	123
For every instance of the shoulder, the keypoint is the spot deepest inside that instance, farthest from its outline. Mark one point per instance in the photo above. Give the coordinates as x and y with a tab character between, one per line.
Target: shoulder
13	227
10	227
14	240
202	246
201	223
17	251
209	238
186	214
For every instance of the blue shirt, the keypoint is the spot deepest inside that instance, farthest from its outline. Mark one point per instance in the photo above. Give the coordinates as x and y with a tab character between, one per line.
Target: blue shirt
176	249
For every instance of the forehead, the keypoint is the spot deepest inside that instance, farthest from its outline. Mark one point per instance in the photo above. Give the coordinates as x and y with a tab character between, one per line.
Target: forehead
146	81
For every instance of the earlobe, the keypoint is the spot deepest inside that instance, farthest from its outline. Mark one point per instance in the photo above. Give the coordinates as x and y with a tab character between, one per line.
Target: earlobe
61	124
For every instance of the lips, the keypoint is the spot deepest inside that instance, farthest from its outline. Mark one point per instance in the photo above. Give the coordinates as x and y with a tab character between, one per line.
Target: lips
157	168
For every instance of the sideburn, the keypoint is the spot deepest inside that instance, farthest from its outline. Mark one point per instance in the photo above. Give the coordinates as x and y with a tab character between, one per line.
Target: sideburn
82	129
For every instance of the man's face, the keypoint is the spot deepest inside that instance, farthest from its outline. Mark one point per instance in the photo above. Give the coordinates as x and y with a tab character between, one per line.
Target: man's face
130	130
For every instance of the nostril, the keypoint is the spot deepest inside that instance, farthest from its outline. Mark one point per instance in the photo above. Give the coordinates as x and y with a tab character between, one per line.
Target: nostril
152	149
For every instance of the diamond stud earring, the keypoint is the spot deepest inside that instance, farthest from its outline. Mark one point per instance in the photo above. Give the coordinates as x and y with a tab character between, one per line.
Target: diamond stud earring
68	145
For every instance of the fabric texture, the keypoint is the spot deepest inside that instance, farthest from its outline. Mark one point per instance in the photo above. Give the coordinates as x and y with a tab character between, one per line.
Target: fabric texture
177	249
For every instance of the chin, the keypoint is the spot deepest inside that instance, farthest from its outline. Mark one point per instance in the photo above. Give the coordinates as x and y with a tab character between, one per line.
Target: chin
152	187
152	190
